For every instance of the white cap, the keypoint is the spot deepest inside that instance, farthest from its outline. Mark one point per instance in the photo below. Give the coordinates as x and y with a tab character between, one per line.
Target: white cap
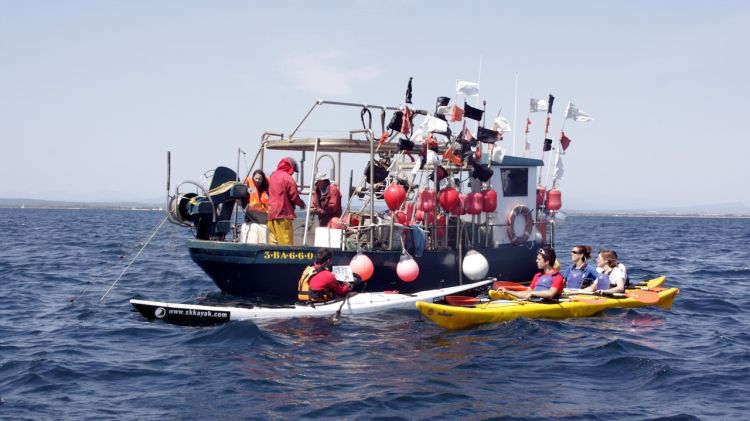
322	175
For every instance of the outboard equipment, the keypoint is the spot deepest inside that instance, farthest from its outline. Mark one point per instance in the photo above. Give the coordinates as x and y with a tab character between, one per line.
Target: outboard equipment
211	212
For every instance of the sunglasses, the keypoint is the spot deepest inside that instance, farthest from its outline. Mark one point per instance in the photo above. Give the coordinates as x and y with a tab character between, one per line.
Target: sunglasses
575	252
541	251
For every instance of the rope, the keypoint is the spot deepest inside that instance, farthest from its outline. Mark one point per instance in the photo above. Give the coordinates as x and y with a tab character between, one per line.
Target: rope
135	257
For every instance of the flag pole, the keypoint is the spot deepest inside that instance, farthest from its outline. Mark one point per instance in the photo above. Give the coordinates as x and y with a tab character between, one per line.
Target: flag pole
559	143
550	101
515	116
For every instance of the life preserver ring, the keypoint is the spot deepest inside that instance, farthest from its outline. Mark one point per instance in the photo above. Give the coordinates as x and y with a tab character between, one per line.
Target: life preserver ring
520	210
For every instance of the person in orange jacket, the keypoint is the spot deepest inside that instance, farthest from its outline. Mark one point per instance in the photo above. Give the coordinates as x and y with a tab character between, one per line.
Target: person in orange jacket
257	192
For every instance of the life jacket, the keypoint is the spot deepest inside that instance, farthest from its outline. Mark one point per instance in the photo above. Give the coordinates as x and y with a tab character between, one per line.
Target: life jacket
545	282
256	201
602	281
303	286
576	278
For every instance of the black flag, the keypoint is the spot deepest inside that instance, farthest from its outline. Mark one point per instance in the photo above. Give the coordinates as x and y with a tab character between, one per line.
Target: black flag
547	145
487	135
472	113
408	92
549	103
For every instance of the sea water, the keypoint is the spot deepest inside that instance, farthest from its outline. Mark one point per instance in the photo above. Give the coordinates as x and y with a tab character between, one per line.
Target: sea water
67	354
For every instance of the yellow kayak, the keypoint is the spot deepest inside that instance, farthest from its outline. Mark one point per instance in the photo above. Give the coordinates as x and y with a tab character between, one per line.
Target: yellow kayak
451	317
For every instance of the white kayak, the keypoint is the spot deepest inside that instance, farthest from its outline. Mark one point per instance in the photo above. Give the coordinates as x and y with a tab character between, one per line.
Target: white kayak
368	302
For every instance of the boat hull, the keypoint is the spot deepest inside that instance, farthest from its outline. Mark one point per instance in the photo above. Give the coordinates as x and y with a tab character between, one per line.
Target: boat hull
451	317
256	270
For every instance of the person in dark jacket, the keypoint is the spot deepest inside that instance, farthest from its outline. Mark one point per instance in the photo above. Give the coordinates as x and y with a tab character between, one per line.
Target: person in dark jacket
283	196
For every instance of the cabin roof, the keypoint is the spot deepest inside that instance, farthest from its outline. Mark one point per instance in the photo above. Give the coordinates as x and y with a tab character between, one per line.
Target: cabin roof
517	161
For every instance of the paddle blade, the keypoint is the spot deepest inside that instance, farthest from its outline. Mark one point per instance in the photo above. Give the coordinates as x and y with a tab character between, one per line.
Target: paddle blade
510	286
458	300
647	297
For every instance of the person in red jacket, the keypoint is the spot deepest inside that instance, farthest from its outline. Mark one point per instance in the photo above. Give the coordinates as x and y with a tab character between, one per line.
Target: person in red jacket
326	199
282	198
547	283
318	284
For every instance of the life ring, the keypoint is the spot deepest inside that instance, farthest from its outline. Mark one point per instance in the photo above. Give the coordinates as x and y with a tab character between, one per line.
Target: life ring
520	210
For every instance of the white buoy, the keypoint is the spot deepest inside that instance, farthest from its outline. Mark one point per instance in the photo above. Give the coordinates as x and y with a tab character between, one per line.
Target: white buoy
475	266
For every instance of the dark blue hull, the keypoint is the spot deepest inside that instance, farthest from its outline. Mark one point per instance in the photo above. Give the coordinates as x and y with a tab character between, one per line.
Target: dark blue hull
252	270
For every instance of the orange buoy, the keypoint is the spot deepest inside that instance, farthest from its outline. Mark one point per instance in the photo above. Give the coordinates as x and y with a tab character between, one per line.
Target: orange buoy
407	268
554	200
362	266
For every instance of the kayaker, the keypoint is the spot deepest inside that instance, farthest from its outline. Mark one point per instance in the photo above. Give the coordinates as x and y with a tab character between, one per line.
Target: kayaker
283	197
612	275
318	284
547	283
326	199
579	274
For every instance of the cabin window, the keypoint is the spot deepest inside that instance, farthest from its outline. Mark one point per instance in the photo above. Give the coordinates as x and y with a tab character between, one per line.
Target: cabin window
515	181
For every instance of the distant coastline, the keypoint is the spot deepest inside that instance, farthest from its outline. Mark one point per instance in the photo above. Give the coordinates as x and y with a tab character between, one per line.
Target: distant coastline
54	204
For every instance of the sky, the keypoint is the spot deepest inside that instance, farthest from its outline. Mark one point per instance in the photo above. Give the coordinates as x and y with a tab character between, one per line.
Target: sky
94	93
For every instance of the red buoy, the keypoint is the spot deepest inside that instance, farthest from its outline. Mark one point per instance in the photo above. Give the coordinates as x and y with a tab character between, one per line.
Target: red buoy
394	196
474	203
448	198
489	200
401	218
540	192
426	200
554	200
441	221
460	208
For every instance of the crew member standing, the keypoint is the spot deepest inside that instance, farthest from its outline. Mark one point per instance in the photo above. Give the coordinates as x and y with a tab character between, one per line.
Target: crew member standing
326	199
282	198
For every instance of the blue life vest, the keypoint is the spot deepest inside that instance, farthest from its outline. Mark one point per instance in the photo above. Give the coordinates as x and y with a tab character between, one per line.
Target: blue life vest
602	281
575	277
545	281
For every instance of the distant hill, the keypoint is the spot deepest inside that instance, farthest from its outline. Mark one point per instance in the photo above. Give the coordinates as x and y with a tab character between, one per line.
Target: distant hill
719	209
51	204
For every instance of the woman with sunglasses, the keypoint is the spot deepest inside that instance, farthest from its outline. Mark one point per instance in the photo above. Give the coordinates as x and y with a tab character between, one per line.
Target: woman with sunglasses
547	283
579	274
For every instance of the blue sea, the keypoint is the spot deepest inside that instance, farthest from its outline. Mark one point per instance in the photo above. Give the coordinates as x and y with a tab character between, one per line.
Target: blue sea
67	354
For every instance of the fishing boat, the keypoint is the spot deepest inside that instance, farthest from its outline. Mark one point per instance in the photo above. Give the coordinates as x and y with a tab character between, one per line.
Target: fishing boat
463	209
362	303
573	305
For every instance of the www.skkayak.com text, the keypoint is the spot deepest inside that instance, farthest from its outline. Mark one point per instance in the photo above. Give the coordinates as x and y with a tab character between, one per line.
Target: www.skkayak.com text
198	313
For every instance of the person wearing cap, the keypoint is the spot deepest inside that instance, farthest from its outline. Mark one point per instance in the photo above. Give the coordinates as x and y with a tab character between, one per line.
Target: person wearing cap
326	199
283	196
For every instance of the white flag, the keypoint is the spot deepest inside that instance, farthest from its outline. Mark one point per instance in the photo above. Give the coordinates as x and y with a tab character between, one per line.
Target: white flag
444	110
467	88
433	124
536	105
559	171
501	125
574	113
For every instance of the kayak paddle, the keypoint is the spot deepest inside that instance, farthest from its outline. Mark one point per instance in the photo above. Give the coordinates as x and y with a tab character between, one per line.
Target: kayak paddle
510	286
646	297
